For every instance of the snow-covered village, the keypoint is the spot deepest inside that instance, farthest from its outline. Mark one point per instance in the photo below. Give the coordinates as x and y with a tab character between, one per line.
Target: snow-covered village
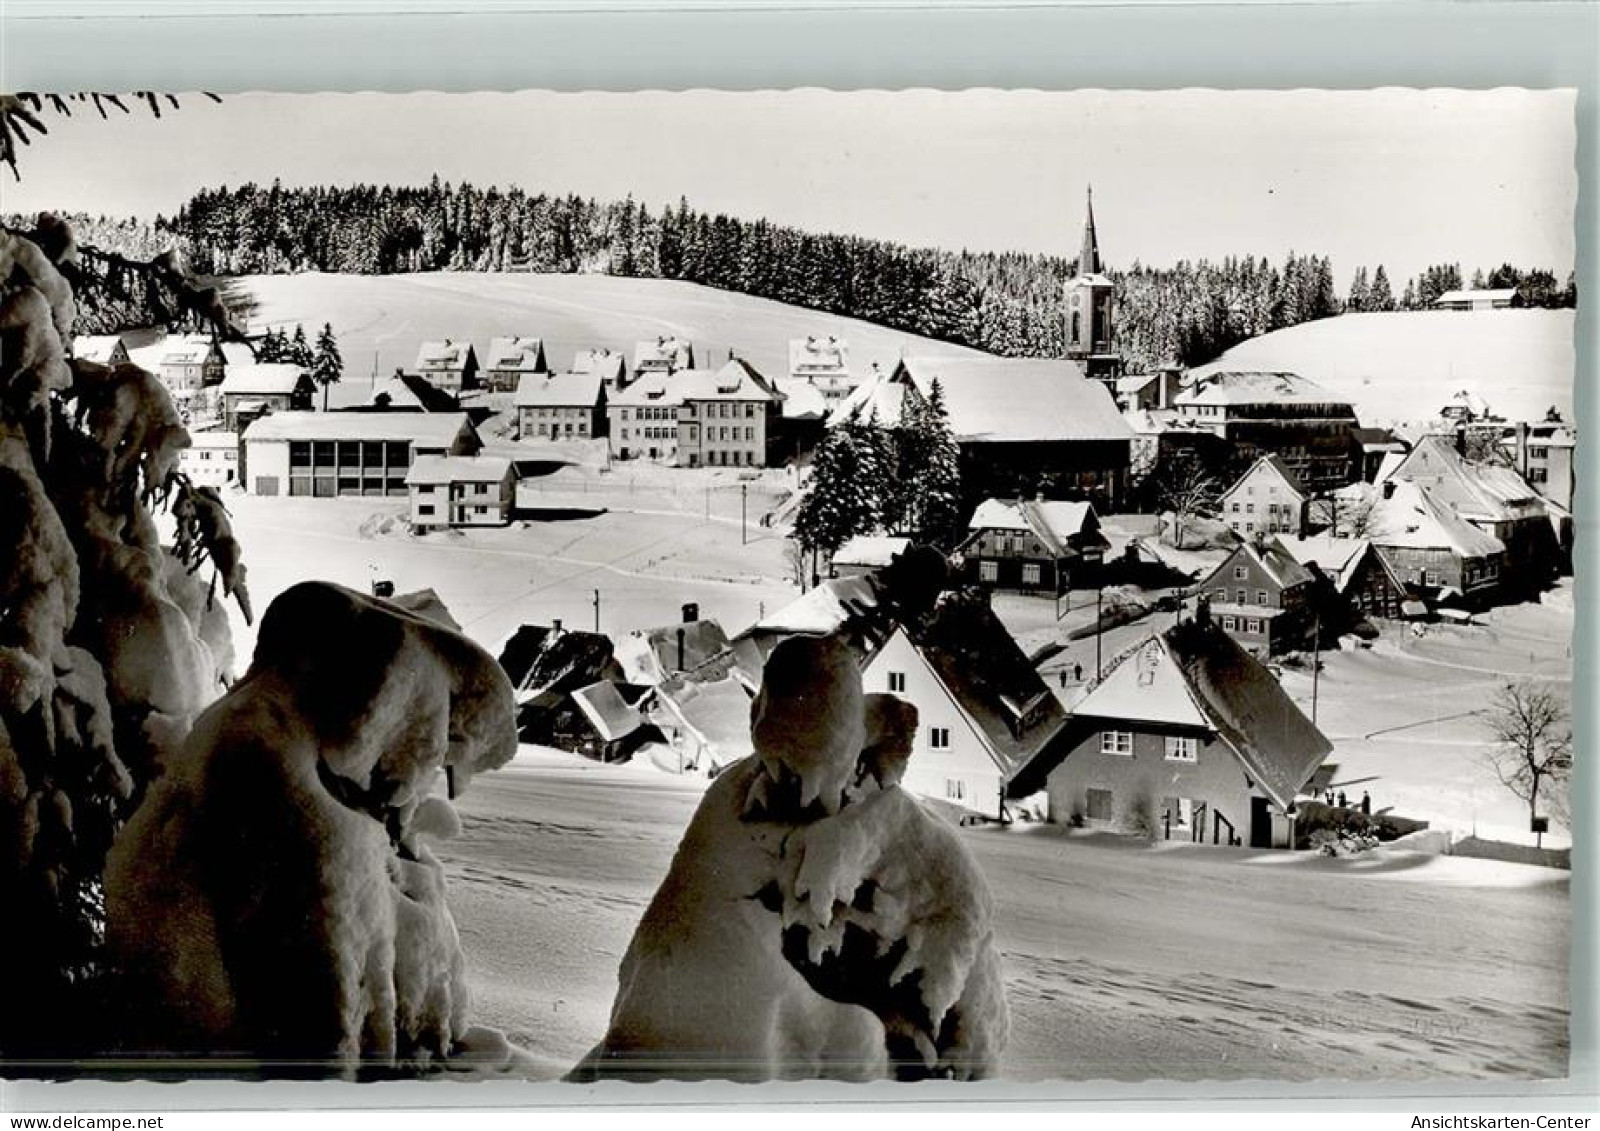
471	619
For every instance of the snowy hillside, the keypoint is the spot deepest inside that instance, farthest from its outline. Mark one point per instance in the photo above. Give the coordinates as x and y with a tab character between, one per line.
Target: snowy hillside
381	320
1400	366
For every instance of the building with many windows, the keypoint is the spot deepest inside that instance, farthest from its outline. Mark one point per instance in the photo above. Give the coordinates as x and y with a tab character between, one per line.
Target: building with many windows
1032	545
1261	596
325	454
726	418
1267	499
642	419
1312	429
561	406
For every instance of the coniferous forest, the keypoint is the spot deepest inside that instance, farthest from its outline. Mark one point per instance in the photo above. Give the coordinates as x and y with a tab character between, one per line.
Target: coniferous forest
1006	303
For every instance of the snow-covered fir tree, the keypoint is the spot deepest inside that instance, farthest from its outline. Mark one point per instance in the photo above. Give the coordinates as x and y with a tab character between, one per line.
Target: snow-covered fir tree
327	366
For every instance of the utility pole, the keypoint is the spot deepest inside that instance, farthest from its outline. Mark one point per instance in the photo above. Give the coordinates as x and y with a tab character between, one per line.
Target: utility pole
597	610
1099	630
744	514
1316	662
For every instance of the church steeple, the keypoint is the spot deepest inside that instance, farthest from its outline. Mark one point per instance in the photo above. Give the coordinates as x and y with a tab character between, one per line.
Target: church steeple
1088	299
1089	255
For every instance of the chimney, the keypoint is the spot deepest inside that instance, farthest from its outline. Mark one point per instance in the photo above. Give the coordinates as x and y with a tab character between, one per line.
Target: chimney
555	626
1461	439
681	635
1522	448
1388	488
691	612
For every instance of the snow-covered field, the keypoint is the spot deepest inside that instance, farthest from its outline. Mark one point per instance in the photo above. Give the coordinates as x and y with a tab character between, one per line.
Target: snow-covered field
1406	365
1122	961
380	321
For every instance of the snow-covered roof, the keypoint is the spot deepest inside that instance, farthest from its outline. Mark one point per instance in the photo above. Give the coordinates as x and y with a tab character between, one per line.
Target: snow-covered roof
870	550
737	380
191	349
540	658
269	378
1194	674
999	399
674	353
1268	465
446	354
1484	491
651	655
877	396
1466	402
437	470
407	390
1498	294
97	348
717	712
609	364
525	355
610	715
1136	383
430	429
1335	557
1054	522
801	399
654	388
1269	554
214	439
1387	465
1241	387
1411	517
558	390
823	609
818	355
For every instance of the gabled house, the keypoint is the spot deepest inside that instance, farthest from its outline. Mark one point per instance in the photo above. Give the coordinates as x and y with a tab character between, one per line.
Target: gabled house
1186	737
655	655
1032	545
1501	298
1356	574
406	392
191	363
449	364
511	359
704	719
609	365
1266	499
982	709
614	725
1493	498
250	391
661	356
564	406
102	349
823	363
642	420
456	491
1261	597
1430	549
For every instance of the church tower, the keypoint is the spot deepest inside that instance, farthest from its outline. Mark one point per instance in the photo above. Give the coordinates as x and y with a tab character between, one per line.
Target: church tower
1086	300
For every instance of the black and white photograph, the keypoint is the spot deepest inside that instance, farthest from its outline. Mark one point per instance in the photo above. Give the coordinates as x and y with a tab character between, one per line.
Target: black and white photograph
712	585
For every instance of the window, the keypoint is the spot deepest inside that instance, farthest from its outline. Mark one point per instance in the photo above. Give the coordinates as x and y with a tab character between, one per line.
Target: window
1182	749
1261	596
1241	597
989	571
1240	573
955	789
1221	595
1235	508
1229	624
425	509
897	681
1254	625
1030	573
1116	742
939	738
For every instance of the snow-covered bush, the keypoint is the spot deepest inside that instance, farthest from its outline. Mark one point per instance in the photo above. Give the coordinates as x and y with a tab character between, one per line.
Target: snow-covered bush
816	920
274	897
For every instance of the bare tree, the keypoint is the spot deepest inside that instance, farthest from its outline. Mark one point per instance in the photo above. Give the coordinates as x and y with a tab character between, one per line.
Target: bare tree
1188	490
1533	741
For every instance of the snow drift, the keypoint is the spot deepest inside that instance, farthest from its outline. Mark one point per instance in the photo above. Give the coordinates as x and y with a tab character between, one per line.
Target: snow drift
816	921
274	899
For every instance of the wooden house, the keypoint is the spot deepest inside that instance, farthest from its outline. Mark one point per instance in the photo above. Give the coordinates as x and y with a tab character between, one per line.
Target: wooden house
1356	574
1277	413
1032	545
1261	597
1431	550
1187	736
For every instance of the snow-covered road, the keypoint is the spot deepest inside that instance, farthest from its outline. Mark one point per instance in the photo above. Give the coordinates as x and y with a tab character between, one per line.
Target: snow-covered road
1123	961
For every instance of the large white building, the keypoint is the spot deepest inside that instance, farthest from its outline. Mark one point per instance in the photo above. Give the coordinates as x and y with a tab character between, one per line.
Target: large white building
324	454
